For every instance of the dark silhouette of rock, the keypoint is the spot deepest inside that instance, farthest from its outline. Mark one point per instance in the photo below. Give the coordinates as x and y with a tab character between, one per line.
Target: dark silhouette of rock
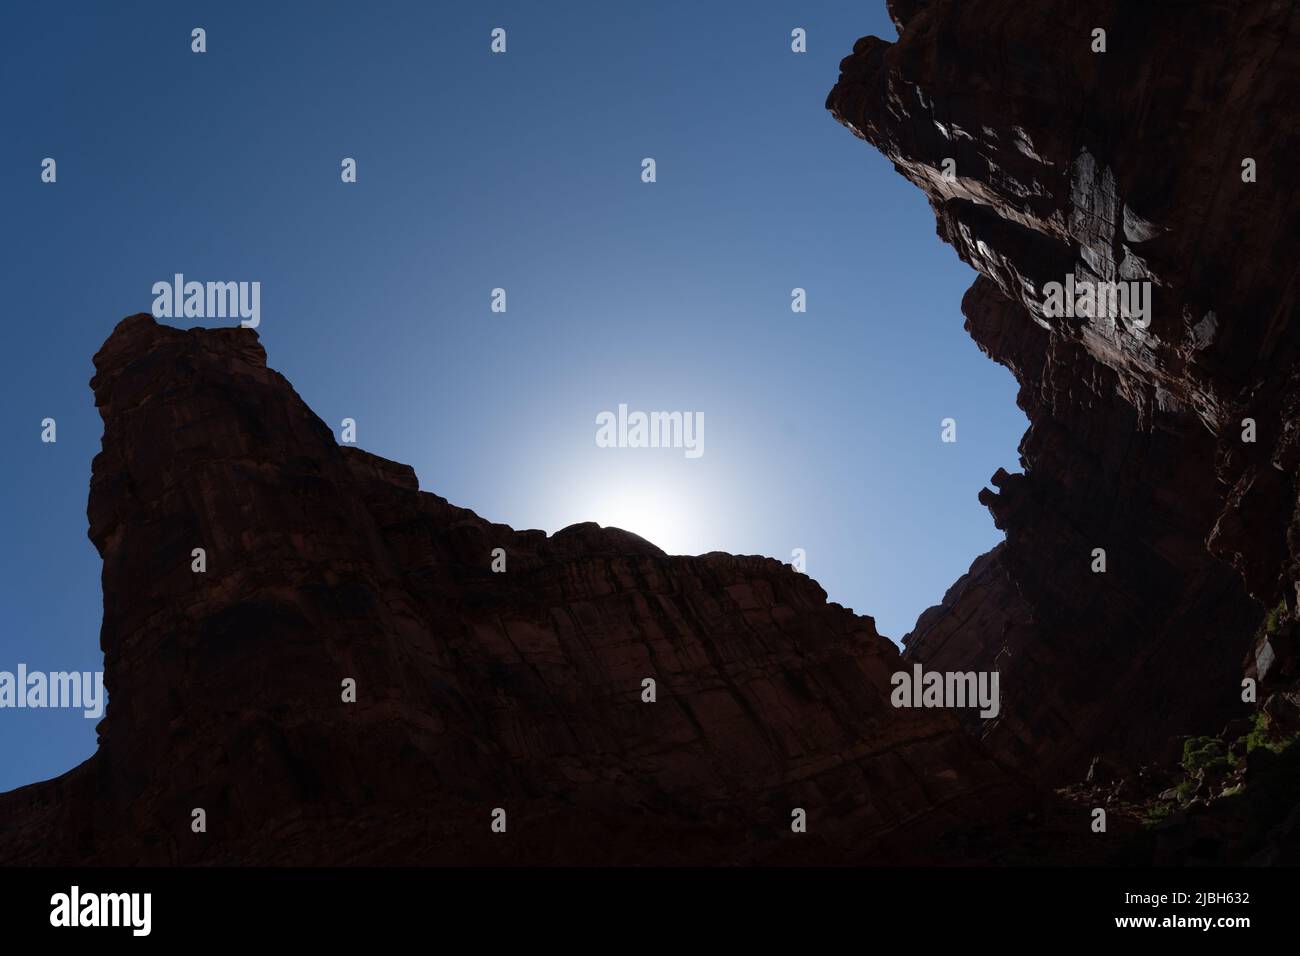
1150	564
1124	166
475	690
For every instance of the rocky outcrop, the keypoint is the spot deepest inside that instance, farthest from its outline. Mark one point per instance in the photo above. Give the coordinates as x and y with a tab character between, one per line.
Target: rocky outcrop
1151	524
475	689
1168	440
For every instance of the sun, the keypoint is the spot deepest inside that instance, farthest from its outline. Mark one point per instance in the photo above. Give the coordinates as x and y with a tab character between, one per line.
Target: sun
648	509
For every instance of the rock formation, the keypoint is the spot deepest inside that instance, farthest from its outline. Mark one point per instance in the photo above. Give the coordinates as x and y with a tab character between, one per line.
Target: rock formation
1150	565
1172	442
475	689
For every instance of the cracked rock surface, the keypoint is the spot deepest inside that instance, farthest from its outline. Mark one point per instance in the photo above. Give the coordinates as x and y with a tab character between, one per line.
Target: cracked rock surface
1072	165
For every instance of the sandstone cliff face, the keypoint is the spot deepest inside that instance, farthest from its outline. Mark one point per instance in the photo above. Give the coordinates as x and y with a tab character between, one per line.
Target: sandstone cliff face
474	690
1115	166
523	690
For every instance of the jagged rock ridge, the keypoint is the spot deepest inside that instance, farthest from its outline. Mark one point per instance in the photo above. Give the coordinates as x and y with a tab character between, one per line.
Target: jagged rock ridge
474	690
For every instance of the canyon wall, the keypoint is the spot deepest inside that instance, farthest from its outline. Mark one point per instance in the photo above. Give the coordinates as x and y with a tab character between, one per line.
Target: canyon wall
349	680
1046	160
475	689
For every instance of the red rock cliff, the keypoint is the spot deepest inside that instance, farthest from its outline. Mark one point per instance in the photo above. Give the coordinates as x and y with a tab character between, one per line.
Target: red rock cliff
475	690
1123	165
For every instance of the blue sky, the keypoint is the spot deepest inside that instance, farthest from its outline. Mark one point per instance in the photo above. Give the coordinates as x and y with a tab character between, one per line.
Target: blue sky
476	171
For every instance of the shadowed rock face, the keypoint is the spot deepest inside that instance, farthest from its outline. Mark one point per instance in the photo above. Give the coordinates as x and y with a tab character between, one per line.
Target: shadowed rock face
1116	166
474	690
523	690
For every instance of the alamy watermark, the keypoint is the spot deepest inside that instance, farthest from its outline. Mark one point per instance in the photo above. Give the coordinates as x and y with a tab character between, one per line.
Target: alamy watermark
947	689
82	690
651	430
75	908
208	300
1098	300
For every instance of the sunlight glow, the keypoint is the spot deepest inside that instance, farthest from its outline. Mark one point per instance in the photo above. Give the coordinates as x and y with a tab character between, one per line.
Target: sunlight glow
649	508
